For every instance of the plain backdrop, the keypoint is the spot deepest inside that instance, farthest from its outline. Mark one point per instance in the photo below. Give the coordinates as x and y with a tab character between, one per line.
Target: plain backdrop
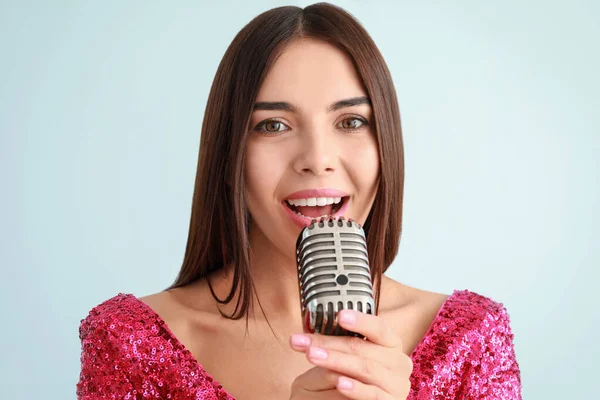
101	105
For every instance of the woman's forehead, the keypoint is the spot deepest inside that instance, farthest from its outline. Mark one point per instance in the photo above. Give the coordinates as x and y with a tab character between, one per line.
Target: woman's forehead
311	73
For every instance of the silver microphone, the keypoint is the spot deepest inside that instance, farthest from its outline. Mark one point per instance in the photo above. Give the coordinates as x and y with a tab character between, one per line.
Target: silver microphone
333	274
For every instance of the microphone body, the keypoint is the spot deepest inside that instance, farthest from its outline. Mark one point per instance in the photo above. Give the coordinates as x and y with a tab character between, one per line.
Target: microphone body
333	274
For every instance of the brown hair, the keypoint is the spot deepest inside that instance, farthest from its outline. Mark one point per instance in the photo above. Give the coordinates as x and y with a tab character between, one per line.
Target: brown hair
220	221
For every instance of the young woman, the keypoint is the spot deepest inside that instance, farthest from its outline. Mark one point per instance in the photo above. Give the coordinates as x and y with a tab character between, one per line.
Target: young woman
302	121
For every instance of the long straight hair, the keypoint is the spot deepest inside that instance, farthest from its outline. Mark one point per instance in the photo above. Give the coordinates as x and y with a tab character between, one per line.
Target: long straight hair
220	221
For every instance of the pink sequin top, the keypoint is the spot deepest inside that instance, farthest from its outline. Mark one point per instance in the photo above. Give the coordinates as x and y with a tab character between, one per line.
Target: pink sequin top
128	352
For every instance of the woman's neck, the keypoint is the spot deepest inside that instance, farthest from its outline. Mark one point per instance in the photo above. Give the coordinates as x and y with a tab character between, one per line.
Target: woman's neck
274	275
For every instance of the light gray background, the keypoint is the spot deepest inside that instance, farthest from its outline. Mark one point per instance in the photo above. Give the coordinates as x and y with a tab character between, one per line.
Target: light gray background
101	105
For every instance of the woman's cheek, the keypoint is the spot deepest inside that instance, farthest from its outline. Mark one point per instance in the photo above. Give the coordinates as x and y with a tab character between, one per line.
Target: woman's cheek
365	167
364	160
262	170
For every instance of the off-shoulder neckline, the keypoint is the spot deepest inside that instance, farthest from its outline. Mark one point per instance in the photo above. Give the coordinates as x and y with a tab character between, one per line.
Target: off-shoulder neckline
177	343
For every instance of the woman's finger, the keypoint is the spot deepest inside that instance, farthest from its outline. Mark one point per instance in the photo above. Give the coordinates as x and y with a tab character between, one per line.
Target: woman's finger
388	357
373	327
332	394
363	369
316	384
356	390
316	379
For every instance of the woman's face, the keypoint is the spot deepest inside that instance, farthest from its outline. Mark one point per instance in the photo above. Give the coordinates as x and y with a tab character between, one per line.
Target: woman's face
307	154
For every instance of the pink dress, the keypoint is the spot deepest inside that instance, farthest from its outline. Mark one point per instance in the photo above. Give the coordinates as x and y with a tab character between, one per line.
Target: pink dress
128	352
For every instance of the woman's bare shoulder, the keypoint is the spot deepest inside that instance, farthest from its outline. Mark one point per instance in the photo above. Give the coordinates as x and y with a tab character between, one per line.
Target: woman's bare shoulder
410	311
182	305
396	296
160	302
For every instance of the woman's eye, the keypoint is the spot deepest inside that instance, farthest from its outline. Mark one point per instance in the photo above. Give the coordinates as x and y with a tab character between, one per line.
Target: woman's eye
353	123
270	126
273	126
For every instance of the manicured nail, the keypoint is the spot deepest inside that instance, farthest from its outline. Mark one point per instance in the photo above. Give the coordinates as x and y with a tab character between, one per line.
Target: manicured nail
300	340
347	317
345	383
317	354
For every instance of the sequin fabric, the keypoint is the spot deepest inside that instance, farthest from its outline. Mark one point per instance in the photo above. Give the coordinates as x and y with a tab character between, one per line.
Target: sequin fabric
128	352
468	353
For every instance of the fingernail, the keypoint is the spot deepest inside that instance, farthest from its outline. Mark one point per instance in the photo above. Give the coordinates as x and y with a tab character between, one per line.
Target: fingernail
347	317
300	340
317	354
345	383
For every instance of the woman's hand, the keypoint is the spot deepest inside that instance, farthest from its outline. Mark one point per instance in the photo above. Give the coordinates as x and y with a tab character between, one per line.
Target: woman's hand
354	368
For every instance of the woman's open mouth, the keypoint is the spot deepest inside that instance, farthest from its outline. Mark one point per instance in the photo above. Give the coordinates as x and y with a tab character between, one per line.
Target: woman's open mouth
304	210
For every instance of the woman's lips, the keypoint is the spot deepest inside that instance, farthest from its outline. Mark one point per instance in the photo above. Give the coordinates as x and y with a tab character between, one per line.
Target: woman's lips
303	221
305	194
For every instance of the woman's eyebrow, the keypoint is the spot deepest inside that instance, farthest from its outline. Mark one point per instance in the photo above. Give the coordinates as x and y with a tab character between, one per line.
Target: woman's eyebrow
283	106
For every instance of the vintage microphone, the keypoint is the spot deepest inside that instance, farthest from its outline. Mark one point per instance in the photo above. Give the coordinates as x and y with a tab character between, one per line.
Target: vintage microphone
333	274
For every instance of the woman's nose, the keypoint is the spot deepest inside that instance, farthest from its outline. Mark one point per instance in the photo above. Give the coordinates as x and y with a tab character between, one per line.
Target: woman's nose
317	154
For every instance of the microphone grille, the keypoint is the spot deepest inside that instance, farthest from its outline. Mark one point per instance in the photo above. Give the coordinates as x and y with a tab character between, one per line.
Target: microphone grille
333	273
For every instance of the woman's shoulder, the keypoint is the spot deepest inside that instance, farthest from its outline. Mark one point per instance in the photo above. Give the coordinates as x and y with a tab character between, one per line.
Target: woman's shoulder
474	307
429	319
477	323
471	326
128	347
468	308
116	340
120	312
465	311
469	347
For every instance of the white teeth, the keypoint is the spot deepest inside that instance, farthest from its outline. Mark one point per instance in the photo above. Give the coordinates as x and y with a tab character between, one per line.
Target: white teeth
314	201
